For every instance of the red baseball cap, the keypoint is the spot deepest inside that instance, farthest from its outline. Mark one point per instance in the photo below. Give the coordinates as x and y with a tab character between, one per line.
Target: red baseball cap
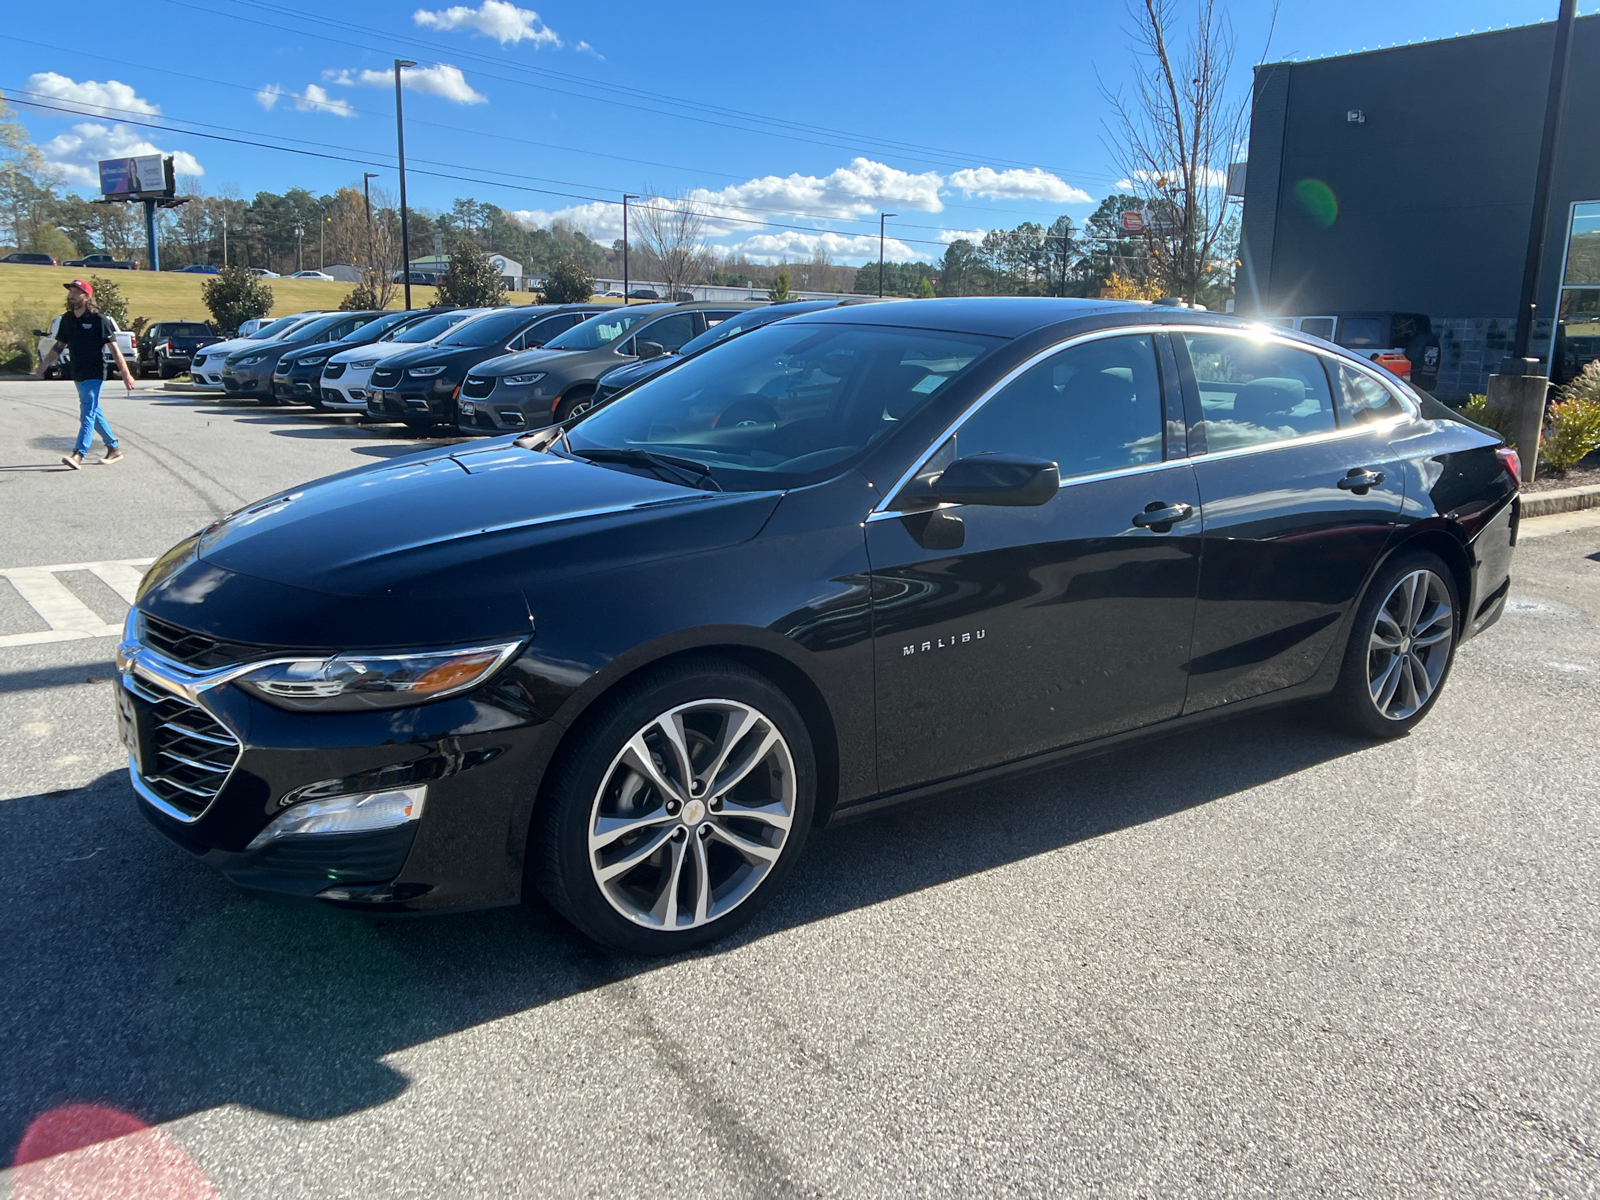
87	288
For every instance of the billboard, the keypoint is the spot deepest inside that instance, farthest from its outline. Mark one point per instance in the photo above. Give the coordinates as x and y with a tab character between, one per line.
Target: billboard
147	174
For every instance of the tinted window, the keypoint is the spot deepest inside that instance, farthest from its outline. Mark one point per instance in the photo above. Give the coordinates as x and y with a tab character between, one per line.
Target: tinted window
281	325
547	329
1094	407
1363	332
786	404
743	322
496	328
1321	327
385	322
1362	397
188	330
1254	391
600	330
427	330
1407	327
671	332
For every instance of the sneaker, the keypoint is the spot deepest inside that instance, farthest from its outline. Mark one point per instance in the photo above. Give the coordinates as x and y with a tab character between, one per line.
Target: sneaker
73	460
113	455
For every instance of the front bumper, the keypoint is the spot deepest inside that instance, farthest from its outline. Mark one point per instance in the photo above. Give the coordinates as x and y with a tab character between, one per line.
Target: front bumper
504	410
250	381
302	388
212	767
416	402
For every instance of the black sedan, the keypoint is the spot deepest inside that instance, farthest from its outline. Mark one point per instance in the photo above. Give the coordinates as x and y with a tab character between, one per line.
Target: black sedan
298	374
419	387
849	559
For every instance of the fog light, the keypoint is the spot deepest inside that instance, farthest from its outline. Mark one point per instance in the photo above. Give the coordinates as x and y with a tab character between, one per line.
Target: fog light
365	813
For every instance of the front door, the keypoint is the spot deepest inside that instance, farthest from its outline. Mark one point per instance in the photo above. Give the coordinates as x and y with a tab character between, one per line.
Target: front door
1050	625
1289	534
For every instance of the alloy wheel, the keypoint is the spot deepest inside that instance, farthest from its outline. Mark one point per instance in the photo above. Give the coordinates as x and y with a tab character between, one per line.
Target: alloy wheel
692	814
1409	646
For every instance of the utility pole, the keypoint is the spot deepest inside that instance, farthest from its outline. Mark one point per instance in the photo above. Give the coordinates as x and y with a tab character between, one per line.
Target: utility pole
400	137
625	198
1518	389
372	261
299	247
322	233
881	218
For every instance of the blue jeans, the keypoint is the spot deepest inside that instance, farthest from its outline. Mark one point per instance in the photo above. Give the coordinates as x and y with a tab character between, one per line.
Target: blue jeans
93	420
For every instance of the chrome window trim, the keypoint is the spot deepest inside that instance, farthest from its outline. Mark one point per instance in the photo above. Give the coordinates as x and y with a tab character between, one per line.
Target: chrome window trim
882	509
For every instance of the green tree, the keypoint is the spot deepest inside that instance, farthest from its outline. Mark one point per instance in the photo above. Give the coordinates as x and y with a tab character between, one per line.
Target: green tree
360	298
925	289
27	182
108	299
779	291
47	239
959	272
569	283
234	297
471	280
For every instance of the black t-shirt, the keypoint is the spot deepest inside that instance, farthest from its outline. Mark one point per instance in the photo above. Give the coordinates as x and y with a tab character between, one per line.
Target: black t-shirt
83	337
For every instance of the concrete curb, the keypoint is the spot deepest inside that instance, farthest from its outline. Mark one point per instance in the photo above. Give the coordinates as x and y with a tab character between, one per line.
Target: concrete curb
1560	500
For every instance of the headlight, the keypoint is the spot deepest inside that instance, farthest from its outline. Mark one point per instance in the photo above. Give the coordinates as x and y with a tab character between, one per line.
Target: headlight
313	362
366	364
424	372
523	380
348	682
249	362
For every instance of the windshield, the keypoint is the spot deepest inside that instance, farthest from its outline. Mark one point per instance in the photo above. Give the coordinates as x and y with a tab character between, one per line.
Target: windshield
426	331
362	334
281	325
745	322
490	329
311	328
602	330
784	405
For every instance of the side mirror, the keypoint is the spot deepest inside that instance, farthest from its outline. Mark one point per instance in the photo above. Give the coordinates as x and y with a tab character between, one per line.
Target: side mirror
651	349
1011	480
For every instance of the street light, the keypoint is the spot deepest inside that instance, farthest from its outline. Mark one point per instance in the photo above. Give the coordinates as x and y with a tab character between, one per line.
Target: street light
299	244
400	137
372	260
625	198
881	218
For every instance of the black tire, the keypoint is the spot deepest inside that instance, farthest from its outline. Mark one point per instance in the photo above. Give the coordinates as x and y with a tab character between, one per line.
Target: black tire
570	403
1352	702
559	858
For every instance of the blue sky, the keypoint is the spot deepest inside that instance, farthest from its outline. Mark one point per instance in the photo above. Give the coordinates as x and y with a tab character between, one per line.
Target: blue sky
798	123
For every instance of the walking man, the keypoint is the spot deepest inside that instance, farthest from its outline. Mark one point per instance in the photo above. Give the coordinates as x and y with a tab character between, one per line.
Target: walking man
83	331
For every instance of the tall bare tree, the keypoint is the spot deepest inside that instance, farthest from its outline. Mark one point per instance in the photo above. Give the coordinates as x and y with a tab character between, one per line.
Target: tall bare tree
1174	136
672	230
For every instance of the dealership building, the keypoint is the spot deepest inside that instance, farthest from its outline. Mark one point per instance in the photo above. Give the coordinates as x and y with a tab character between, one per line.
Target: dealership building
1402	180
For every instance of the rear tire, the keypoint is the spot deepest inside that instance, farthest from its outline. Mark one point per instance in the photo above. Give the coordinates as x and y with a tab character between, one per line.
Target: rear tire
662	853
1402	644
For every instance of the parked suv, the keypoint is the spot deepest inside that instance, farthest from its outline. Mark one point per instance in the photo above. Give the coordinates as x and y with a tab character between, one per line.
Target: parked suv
347	375
248	372
1402	343
29	258
103	262
297	377
525	391
419	387
165	347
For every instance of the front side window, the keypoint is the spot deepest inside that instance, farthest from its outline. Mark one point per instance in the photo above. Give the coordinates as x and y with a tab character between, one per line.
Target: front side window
670	333
1093	407
598	331
1362	398
1364	333
783	405
1254	390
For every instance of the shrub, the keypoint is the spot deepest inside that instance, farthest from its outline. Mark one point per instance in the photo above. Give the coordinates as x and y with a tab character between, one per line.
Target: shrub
359	298
47	239
1572	428
779	291
234	297
108	298
18	346
569	283
925	289
1477	410
471	281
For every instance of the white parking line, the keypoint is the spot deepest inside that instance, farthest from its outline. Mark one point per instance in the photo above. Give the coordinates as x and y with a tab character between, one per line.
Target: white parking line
70	618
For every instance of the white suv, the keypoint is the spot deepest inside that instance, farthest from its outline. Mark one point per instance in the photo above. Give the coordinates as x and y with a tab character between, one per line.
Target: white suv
205	368
347	374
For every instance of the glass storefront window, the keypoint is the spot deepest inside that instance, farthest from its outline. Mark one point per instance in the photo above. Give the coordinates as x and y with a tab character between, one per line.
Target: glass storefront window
1577	333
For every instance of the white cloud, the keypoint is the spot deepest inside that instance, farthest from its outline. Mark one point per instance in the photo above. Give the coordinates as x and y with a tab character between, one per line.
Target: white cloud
268	96
441	79
504	22
961	235
1035	183
802	247
314	99
1142	179
77	152
861	188
585	48
340	76
601	221
108	99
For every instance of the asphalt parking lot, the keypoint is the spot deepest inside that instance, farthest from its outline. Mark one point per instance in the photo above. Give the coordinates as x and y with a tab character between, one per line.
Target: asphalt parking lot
1258	959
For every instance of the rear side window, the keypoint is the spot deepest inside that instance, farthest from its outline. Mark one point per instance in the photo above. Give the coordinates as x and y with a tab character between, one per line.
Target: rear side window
1363	333
1321	327
1362	398
1254	391
1093	407
1407	327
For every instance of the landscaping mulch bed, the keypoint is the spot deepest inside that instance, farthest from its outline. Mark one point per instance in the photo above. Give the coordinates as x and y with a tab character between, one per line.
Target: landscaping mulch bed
1585	474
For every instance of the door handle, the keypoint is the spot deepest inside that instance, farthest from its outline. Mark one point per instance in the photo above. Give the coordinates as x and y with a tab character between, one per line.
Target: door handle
1160	516
1359	479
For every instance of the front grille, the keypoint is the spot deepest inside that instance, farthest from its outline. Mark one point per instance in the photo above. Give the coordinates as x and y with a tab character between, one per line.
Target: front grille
386	377
475	388
198	650
333	370
191	753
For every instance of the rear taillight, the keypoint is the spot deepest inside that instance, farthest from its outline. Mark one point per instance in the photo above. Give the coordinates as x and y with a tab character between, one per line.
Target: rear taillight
1513	465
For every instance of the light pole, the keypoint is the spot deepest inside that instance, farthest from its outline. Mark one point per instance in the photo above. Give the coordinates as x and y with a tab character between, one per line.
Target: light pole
372	261
625	198
299	246
322	235
400	137
881	218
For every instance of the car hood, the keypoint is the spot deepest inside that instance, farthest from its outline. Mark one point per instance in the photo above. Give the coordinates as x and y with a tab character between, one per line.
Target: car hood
230	345
510	364
272	347
427	354
432	547
632	373
374	350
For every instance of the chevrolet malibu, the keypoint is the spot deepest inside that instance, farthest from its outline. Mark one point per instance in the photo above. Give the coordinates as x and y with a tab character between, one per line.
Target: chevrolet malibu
844	561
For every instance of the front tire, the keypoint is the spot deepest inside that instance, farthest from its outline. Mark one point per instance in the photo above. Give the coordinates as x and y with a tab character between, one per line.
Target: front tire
1401	647
678	810
576	401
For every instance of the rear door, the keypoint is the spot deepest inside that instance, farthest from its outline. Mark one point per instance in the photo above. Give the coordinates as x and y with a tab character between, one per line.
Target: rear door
1299	496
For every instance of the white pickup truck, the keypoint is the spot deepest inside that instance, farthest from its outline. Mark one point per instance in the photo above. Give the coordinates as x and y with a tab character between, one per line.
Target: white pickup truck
47	339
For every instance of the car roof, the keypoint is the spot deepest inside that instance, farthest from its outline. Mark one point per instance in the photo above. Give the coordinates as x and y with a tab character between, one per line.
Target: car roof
997	316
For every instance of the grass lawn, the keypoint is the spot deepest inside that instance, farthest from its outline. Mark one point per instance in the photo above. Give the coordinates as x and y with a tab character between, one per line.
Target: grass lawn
168	296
